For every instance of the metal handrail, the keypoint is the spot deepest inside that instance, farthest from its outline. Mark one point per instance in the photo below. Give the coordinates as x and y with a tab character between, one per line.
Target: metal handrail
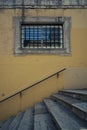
32	85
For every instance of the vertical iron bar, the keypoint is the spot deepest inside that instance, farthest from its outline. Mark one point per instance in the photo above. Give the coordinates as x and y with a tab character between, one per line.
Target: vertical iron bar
25	36
20	96
57	75
62	37
50	36
29	34
54	36
37	35
33	37
57	36
46	37
21	38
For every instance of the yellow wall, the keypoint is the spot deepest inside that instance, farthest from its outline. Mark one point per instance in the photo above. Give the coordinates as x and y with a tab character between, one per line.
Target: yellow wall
17	72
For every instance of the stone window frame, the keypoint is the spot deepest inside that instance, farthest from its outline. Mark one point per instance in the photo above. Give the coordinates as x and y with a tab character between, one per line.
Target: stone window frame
66	28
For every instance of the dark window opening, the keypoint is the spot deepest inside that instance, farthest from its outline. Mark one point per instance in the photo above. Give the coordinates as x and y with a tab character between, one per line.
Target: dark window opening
42	36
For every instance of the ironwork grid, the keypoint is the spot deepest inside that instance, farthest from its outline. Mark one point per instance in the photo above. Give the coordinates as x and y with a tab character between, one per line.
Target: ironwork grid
42	36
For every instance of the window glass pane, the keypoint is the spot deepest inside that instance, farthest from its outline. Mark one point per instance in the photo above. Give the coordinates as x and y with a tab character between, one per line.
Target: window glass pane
42	36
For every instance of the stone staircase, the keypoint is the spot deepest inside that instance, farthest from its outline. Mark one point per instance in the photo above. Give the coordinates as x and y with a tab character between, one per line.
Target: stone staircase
65	110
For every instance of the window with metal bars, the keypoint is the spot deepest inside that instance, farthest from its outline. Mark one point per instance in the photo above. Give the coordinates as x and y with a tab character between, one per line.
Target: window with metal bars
42	36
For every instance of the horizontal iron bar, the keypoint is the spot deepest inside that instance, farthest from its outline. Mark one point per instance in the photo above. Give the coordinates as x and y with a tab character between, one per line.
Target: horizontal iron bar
20	92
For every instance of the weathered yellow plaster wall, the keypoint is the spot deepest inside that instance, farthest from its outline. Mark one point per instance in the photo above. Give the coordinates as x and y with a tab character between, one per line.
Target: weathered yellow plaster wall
17	72
76	77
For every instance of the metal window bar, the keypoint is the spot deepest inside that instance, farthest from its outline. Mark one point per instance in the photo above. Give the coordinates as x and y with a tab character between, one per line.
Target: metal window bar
25	42
62	37
37	36
29	36
21	40
46	38
42	36
33	38
54	35
50	37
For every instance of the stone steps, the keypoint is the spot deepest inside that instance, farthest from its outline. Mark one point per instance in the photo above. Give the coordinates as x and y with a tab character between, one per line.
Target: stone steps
5	126
16	121
42	119
80	94
65	119
1	124
27	120
59	112
77	106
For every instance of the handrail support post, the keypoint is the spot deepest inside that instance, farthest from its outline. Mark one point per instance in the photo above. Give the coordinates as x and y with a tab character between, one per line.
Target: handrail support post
57	75
20	94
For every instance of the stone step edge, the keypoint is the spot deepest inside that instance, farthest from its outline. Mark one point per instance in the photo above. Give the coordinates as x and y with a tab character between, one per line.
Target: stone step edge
78	95
72	107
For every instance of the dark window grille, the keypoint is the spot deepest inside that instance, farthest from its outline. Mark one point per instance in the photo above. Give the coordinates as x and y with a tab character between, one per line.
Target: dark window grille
42	36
